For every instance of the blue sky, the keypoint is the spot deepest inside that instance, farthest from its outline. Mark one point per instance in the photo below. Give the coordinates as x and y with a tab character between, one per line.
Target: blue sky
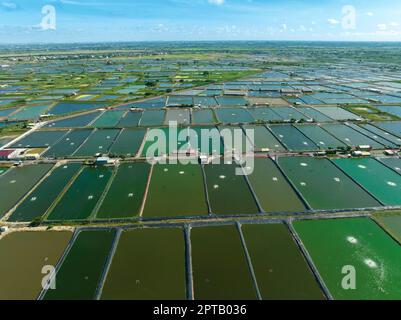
21	21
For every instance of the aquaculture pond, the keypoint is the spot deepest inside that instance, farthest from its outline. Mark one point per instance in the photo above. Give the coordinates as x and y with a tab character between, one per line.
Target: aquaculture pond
350	136
379	139
125	196
381	133
280	269
264	115
79	275
264	139
314	114
152	118
179	116
41	199
289	114
205	116
337	113
79	201
160	142
39	139
272	189
360	243
312	175
292	138
176	191
391	223
206	140
320	137
234	115
205	102
393	110
71	107
6	140
391	127
68	144
108	119
4	113
23	256
380	181
130	120
227	101
128	142
235	140
74	122
99	141
393	163
229	193
18	182
149	264
29	113
219	265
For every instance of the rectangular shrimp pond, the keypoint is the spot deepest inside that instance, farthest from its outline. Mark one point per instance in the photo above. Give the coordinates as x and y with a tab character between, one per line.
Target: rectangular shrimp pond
336	245
24	255
176	191
310	176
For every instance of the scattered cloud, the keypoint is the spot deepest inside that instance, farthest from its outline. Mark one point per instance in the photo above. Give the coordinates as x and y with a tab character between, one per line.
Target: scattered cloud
9	5
333	21
216	2
382	26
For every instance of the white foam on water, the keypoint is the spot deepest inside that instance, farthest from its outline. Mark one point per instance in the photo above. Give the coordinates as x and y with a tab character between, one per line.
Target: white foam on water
275	179
303	164
90	197
33	199
352	240
13	181
303	184
216	186
165	170
391	184
130	195
370	263
337	179
362	166
182	172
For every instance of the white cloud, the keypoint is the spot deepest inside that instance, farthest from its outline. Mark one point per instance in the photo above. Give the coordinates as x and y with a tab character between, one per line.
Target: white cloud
9	5
216	2
333	21
394	24
370	14
382	26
